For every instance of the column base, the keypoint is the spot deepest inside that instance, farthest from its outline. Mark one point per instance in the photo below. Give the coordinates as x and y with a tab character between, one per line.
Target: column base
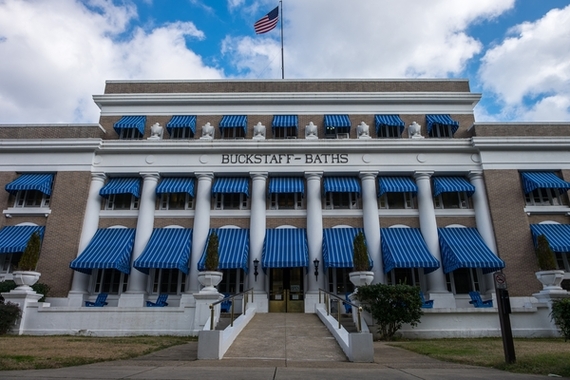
132	300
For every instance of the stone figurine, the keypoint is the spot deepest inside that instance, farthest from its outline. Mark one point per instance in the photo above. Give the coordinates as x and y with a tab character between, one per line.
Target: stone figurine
363	131
156	132
259	131
311	131
207	132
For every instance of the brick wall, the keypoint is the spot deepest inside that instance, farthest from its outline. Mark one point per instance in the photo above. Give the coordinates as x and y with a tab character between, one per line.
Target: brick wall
521	129
5	199
271	223
355	222
164	222
448	220
410	221
228	221
51	132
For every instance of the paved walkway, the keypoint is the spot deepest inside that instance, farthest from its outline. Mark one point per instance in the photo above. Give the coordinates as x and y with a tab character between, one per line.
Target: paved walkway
275	347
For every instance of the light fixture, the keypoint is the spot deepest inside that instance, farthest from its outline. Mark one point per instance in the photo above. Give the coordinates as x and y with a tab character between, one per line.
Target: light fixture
255	265
316	263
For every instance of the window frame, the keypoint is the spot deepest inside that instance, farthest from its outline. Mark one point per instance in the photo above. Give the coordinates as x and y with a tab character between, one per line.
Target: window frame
276	200
441	131
389	132
165	201
232	279
23	197
409	201
110	202
337	132
221	201
332	199
464	201
546	197
394	276
119	280
183	133
167	281
338	278
233	133
9	262
284	133
130	134
475	279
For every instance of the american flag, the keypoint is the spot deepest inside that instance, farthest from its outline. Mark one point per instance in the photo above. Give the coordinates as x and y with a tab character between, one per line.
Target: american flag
267	22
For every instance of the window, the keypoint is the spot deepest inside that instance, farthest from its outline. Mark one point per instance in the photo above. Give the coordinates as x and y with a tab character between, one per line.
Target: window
231	201
339	281
233	133
232	281
286	201
176	201
408	276
458	199
441	130
389	132
125	201
397	201
182	133
463	280
337	132
546	197
110	281
130	134
285	133
169	281
31	198
8	262
342	201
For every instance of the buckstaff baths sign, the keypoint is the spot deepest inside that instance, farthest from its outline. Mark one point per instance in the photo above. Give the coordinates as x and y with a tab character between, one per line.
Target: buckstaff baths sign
284	159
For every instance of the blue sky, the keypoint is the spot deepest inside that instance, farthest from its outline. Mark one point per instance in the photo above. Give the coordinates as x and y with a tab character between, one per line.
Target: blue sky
515	52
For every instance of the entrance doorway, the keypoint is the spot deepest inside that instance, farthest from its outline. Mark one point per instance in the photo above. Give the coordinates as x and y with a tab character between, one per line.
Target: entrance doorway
286	291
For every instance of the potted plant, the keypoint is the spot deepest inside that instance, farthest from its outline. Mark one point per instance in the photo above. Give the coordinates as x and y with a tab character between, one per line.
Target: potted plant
211	277
361	275
548	275
25	276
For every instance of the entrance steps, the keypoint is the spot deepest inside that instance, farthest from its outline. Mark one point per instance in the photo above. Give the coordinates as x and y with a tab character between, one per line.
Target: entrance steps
285	337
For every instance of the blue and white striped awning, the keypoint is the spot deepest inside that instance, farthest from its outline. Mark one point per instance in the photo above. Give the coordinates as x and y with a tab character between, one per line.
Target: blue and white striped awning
341	185
337	121
130	122
167	248
14	239
176	185
543	180
431	120
226	185
182	121
286	185
390	120
110	248
558	235
41	182
465	248
285	248
396	185
234	121
285	121
233	249
405	248
122	186
452	185
338	247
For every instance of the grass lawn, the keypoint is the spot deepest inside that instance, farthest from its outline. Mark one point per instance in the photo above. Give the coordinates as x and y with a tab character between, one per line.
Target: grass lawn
36	352
535	356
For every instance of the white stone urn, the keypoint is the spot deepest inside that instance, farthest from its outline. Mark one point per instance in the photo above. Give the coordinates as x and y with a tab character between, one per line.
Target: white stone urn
550	279
361	278
209	280
25	279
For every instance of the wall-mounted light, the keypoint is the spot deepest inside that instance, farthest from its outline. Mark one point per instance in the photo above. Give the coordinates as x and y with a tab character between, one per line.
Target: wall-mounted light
316	264
255	265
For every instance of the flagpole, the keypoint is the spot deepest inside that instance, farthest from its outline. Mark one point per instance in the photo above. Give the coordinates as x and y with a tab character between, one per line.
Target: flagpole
282	61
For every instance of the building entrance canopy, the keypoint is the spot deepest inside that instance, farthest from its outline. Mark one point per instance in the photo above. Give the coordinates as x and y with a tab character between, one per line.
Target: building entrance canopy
285	248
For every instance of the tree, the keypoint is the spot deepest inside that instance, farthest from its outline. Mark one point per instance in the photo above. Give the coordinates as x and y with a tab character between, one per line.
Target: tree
391	306
544	254
212	258
360	258
31	255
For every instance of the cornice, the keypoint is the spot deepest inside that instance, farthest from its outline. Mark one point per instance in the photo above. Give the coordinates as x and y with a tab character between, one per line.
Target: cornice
46	146
521	143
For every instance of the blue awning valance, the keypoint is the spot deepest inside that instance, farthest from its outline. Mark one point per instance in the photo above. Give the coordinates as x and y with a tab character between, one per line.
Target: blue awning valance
431	120
405	248
110	248
390	120
465	248
130	122
338	247
285	248
452	185
396	185
182	121
41	182
122	186
231	185
337	121
285	121
167	248
558	235
234	121
233	248
286	185
341	185
543	180
176	185
14	239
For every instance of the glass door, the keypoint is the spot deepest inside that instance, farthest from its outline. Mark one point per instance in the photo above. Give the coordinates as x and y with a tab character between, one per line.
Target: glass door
286	293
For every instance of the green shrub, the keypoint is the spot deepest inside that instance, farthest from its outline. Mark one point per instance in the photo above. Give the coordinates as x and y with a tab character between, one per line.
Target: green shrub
560	314
391	306
212	259
6	286
9	314
544	254
360	259
31	255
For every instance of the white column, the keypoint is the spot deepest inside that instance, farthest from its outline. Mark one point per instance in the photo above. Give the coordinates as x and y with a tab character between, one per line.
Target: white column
314	229
80	283
201	228
483	219
435	280
372	223
257	229
136	287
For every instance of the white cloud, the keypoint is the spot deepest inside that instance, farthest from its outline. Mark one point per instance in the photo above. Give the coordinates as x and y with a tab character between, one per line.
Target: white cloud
61	52
530	70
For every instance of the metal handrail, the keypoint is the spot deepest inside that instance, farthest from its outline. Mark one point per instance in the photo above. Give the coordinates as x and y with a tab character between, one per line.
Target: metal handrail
244	304
354	306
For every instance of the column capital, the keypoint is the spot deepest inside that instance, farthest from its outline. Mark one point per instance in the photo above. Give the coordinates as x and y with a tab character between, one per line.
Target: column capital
258	175
204	175
423	174
475	174
150	175
98	176
313	175
368	175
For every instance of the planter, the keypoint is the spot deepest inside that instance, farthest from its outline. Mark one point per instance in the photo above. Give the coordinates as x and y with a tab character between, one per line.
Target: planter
361	278
209	280
550	279
25	279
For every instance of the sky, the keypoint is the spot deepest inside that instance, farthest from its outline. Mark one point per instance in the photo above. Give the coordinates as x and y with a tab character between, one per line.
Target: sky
56	54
